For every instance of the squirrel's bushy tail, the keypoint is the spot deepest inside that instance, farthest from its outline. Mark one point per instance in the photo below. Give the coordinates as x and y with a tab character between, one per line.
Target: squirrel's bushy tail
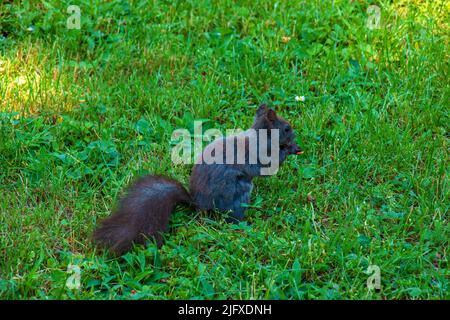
142	213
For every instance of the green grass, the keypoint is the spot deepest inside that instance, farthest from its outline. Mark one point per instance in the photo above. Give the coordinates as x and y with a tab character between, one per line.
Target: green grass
84	111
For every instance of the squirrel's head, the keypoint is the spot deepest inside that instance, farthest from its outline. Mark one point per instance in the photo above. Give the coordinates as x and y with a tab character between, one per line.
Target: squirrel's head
266	118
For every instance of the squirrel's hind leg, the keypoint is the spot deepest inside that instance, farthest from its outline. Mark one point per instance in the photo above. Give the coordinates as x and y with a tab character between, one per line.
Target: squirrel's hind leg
241	199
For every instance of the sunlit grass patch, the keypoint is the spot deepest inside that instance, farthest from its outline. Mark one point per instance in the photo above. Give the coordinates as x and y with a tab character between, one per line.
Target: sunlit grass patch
36	79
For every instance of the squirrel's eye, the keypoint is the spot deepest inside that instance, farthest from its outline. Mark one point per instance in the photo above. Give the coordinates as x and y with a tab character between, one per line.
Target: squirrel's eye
287	129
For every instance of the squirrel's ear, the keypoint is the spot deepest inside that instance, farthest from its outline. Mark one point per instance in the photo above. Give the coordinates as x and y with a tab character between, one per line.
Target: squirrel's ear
264	117
271	115
262	110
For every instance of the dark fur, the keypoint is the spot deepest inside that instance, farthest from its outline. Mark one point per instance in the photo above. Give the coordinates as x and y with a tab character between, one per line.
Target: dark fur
144	211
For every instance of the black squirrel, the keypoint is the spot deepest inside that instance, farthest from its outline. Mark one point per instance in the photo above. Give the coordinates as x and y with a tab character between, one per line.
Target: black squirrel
143	213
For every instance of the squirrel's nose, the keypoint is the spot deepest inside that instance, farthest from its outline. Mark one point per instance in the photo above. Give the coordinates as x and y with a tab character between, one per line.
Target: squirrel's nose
299	151
296	149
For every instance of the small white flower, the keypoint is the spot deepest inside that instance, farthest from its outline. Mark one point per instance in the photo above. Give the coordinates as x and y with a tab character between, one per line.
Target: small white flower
30	29
20	81
301	98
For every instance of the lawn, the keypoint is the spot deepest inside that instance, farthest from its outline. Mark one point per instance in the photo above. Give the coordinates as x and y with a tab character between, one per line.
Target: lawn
84	111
